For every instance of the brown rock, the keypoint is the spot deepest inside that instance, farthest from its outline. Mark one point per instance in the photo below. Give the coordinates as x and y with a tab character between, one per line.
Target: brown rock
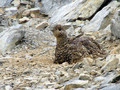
34	12
23	20
42	25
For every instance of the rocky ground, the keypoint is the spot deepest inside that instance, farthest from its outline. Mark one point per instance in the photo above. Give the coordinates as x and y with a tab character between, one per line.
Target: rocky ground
33	69
27	47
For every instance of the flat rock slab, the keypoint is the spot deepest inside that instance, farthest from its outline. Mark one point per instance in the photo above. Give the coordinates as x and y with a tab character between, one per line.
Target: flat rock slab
76	84
102	19
9	38
78	8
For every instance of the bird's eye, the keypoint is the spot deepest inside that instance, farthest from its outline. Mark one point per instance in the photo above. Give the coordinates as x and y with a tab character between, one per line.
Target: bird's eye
59	29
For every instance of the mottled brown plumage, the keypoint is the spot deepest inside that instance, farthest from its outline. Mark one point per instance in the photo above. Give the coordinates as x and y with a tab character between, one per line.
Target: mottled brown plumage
73	50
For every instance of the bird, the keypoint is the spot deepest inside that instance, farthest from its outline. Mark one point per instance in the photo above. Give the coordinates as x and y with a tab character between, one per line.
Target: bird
72	50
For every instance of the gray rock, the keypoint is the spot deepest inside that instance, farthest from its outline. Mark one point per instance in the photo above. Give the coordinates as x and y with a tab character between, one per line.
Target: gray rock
77	8
85	77
8	87
88	61
11	9
99	79
112	56
1	29
115	24
49	6
105	15
44	79
27	88
5	21
116	79
9	39
76	84
109	77
16	2
111	87
110	65
63	79
100	63
4	3
57	86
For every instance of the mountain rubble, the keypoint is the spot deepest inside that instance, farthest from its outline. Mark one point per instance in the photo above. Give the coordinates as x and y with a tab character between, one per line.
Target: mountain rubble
27	45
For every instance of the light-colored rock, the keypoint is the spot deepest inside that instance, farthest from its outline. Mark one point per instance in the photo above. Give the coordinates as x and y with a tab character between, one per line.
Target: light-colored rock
110	65
115	51
63	79
94	72
49	6
109	77
70	70
88	61
85	77
45	74
100	63
1	11
16	3
4	3
44	80
26	13
77	66
27	88
77	8
58	73
35	12
8	87
99	79
57	86
23	20
33	22
9	38
87	68
76	84
115	23
24	2
116	79
11	9
28	56
110	87
77	71
112	56
105	16
42	25
65	63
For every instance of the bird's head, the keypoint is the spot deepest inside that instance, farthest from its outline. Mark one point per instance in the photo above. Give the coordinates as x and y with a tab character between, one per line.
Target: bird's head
58	31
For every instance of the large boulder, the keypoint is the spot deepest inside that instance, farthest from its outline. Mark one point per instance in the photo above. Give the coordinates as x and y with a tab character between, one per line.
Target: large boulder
4	3
110	65
102	19
115	24
9	38
49	6
76	9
